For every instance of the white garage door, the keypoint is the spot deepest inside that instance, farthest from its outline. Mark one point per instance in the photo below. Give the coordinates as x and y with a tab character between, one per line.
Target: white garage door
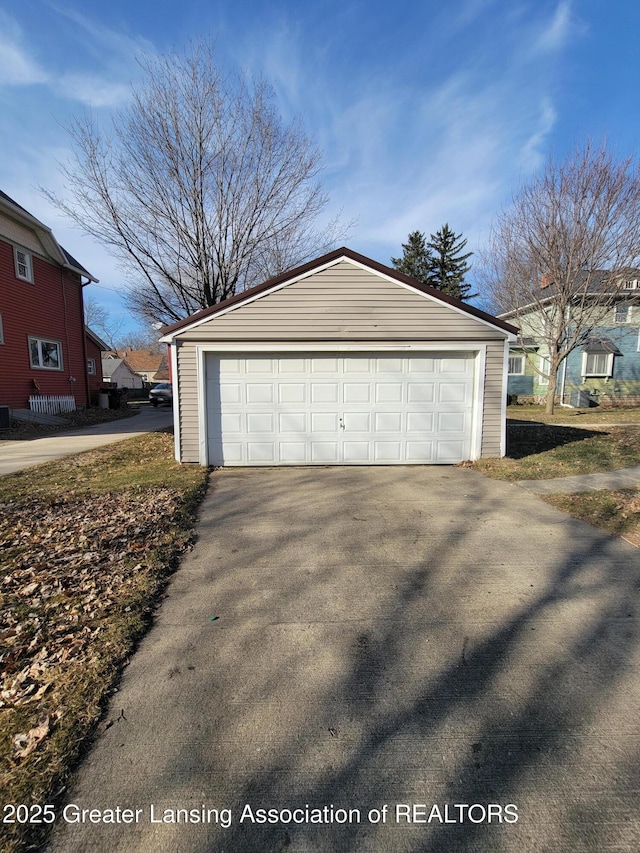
370	409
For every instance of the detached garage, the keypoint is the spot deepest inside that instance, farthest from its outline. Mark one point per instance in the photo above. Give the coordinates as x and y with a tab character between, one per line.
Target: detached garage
342	361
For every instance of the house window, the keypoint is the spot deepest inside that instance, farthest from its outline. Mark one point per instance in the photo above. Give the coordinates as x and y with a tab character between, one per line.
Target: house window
91	366
621	313
44	354
597	364
24	267
516	365
545	367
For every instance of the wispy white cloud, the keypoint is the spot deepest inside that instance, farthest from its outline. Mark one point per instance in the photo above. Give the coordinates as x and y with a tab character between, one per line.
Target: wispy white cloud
106	84
557	32
17	66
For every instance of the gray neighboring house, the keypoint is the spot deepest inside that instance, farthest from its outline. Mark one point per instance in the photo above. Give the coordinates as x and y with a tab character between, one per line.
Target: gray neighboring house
341	361
116	371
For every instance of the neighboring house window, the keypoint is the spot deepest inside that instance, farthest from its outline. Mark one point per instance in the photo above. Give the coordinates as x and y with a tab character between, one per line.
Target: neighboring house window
597	363
516	365
24	268
45	354
621	314
545	366
91	366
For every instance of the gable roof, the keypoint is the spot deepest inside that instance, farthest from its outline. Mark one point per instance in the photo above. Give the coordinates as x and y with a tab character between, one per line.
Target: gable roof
337	255
55	250
96	340
592	283
141	360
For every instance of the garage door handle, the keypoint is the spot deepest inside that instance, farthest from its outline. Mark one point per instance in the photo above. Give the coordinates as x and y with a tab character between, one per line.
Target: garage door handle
342	426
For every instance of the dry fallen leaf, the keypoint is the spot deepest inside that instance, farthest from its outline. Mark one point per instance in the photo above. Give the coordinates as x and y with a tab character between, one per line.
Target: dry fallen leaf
24	744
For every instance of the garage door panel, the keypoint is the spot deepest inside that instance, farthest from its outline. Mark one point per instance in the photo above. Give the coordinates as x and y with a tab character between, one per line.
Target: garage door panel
292	392
325	451
292	422
356	392
260	422
261	452
356	452
388	422
357	422
259	392
451	422
419	364
291	365
421	392
389	392
324	422
449	451
453	392
324	392
390	365
422	422
324	365
419	451
259	365
232	424
387	451
230	393
293	452
348	409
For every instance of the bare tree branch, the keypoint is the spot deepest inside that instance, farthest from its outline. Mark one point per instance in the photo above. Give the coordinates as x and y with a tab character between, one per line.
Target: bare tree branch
199	189
559	255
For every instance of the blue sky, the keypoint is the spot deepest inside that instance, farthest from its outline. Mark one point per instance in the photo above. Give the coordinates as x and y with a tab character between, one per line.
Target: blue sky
427	112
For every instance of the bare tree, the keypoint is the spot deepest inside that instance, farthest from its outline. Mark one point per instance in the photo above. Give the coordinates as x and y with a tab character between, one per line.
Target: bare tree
199	188
99	320
559	255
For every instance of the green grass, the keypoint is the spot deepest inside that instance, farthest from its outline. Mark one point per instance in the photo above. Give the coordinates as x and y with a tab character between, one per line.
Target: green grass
541	452
616	512
87	545
574	417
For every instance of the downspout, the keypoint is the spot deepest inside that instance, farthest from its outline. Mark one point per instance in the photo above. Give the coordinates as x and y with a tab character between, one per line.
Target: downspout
66	328
84	349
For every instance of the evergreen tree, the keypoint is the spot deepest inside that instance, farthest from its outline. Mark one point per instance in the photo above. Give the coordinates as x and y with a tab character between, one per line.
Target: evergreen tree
448	267
416	260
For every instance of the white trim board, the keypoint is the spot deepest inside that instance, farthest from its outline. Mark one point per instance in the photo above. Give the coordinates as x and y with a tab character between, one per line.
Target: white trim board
480	350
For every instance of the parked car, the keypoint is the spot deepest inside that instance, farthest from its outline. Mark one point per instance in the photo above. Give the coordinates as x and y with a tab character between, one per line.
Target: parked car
161	393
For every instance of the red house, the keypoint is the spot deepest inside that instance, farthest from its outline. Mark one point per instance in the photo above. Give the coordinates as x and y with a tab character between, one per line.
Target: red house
45	350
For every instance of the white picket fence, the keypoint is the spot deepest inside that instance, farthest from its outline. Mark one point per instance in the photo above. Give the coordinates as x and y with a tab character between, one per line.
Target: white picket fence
52	404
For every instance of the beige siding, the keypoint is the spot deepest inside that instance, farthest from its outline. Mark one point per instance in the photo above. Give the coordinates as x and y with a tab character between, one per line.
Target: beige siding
344	302
494	379
24	237
188	389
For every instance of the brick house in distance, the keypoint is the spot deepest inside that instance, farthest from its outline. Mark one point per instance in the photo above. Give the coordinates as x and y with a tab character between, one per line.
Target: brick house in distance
45	348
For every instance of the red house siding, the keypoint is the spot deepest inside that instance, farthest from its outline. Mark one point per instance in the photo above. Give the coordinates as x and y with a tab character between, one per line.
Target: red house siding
49	307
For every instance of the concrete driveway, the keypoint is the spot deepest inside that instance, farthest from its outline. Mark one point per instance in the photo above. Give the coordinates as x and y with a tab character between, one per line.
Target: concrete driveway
387	638
19	455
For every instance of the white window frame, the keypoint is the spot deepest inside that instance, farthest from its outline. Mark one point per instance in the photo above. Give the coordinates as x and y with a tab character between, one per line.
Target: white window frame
597	373
519	372
39	341
26	262
91	366
623	307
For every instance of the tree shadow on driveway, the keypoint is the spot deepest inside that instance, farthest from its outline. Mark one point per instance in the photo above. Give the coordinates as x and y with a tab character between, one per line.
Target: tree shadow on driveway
400	636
